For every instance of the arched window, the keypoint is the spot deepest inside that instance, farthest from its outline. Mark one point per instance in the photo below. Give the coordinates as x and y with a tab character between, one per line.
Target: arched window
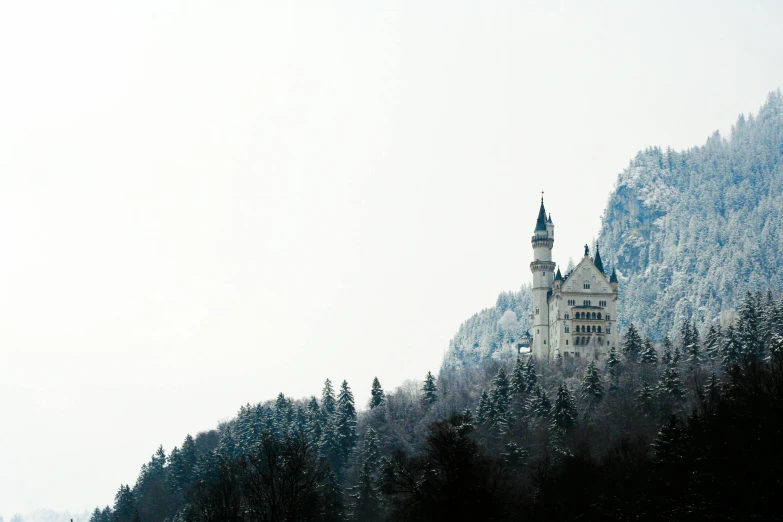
607	317
594	328
599	329
599	315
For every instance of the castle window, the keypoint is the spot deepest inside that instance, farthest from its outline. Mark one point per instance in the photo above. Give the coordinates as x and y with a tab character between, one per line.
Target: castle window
607	317
536	311
593	315
594	328
601	303
566	342
599	315
577	354
566	316
599	329
608	330
572	302
544	341
587	286
567	330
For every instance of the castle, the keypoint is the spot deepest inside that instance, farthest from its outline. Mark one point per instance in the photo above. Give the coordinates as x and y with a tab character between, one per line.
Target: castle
572	315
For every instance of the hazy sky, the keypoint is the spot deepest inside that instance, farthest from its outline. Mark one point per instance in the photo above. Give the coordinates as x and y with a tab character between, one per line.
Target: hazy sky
203	204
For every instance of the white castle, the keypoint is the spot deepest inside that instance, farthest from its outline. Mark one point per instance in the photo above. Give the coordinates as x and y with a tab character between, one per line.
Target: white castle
573	315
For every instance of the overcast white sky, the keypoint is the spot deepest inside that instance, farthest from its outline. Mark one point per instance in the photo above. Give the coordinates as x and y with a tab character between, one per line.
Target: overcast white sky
203	204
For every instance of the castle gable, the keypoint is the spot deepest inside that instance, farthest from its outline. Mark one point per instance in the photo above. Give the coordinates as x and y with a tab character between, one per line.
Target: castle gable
586	273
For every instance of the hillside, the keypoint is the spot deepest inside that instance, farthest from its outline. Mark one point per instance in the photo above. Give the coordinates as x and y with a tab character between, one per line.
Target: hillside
691	232
688	232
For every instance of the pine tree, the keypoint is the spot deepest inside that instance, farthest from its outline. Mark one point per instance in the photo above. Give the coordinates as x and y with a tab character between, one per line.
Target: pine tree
482	411
371	451
667	356
377	397
315	421
564	411
669	441
519	378
712	389
538	404
632	344
649	355
346	420
328	402
182	465
531	377
365	497
670	385
514	455
96	515
686	336
645	397
333	506
730	350
592	385
712	342
500	400
749	329
124	505
612	367
430	389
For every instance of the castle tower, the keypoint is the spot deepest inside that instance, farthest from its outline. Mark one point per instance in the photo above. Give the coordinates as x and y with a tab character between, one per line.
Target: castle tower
543	269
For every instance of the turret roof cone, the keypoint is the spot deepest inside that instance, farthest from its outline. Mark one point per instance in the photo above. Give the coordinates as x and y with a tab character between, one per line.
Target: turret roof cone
597	261
541	221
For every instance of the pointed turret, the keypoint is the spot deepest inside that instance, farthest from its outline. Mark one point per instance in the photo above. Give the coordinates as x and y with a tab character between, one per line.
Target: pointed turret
597	261
541	221
613	277
558	275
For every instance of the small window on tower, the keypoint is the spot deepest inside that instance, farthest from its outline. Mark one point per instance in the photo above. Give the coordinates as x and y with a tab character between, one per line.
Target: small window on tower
587	285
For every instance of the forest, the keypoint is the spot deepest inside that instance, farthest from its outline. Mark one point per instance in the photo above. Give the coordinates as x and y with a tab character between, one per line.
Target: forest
687	428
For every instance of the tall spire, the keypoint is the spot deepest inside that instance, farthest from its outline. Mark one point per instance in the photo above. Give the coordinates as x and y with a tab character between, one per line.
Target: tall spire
541	221
613	277
597	261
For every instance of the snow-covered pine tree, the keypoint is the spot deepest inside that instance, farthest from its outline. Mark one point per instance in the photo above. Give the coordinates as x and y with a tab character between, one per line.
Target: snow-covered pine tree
712	342
648	355
315	421
668	444
518	378
328	401
346	420
564	411
482	411
667	356
376	394
712	389
430	389
645	397
500	401
531	376
592	385
632	344
670	385
731	351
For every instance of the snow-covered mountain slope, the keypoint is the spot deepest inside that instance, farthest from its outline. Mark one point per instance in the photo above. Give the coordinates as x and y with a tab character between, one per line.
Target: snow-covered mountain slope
690	232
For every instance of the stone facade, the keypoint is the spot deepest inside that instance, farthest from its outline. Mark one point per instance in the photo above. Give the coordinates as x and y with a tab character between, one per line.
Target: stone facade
573	315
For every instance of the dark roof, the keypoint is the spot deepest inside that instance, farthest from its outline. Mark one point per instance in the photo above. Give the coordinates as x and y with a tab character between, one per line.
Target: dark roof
541	221
597	261
549	220
613	277
558	276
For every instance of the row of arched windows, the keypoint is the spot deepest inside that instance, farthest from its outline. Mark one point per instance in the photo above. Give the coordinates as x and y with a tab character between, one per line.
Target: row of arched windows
588	315
586	329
